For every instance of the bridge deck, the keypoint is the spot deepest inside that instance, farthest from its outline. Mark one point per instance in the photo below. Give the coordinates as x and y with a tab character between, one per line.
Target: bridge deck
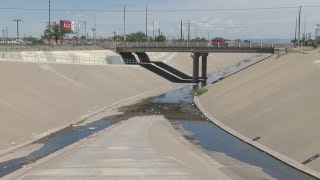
195	49
200	47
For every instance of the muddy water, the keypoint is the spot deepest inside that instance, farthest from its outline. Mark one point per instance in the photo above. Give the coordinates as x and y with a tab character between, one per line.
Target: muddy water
177	106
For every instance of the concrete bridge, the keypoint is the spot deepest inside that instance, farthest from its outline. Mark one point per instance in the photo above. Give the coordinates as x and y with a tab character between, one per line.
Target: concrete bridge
199	49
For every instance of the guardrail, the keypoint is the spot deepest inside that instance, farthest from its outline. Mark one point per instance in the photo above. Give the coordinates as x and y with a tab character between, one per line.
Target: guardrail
193	45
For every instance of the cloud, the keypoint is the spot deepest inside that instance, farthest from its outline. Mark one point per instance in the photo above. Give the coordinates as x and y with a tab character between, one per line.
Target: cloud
208	22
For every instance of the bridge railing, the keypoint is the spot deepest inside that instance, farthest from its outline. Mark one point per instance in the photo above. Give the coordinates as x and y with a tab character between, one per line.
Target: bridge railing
193	45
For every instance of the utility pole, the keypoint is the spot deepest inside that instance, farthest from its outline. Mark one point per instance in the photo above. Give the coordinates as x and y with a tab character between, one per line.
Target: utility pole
77	29
295	33
93	34
299	26
95	29
7	34
189	24
304	30
4	34
18	20
153	37
181	33
146	21
317	31
49	25
124	20
196	31
85	29
114	35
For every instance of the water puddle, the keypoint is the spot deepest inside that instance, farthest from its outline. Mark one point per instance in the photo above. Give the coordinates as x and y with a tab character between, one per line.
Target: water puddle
178	107
213	138
55	142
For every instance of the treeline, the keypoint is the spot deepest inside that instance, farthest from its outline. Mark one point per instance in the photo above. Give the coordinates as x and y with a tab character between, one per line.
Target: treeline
141	37
56	34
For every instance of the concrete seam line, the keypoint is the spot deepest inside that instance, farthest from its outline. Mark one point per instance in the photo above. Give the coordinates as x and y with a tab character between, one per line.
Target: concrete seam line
84	118
184	164
257	145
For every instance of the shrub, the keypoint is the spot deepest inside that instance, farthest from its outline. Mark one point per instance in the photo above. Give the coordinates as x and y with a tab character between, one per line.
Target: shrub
200	91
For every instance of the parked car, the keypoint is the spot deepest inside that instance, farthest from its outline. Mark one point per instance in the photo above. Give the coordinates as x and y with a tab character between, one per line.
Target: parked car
219	42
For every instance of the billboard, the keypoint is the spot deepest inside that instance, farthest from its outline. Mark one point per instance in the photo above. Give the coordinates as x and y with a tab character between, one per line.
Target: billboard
67	25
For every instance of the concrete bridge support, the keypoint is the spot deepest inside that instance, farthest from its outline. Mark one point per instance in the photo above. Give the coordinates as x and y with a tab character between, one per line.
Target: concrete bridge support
204	66
196	57
204	63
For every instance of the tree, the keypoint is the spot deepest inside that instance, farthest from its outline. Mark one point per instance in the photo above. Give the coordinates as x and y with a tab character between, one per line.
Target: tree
47	34
138	36
160	38
55	32
83	38
33	40
317	40
119	38
199	40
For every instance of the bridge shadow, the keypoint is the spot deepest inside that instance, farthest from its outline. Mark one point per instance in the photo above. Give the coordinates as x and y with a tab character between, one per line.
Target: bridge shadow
159	68
164	74
172	70
128	58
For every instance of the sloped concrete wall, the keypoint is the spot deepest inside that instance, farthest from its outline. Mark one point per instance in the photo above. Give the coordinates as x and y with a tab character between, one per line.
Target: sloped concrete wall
276	101
71	57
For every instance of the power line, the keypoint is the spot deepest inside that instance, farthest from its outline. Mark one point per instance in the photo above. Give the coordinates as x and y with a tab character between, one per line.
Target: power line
162	10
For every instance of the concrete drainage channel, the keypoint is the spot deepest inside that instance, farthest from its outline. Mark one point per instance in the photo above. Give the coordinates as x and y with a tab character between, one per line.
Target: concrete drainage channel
177	106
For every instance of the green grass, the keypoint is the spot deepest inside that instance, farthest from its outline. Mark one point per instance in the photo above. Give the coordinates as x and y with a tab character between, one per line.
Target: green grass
200	91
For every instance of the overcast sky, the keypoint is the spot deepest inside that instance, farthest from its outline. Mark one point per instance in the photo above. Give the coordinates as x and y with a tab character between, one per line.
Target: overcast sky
259	23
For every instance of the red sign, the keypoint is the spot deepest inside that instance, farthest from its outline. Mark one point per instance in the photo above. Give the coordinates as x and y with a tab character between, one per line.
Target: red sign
67	25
